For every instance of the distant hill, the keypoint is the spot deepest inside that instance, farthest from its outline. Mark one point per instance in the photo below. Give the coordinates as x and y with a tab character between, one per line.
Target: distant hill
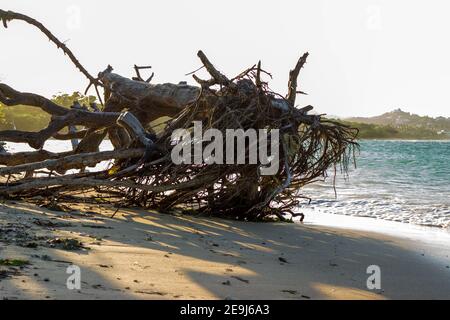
399	118
399	124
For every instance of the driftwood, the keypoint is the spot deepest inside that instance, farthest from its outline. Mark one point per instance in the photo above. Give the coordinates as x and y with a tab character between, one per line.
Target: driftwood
73	161
142	171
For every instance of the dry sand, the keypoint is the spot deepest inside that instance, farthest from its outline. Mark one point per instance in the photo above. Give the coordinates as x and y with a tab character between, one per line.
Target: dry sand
147	255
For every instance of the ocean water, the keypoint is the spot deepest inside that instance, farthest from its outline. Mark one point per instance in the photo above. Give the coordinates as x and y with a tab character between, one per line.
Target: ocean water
404	181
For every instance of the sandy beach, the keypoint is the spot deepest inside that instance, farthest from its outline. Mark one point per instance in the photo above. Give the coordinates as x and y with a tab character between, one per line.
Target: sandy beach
139	254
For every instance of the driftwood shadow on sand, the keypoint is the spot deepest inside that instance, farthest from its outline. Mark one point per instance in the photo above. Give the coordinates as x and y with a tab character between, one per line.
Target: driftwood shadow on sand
196	258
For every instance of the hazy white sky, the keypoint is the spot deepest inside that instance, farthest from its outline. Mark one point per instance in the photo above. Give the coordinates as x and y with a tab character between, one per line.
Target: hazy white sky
366	56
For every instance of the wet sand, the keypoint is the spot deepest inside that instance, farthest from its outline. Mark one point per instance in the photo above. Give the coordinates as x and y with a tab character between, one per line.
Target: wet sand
139	254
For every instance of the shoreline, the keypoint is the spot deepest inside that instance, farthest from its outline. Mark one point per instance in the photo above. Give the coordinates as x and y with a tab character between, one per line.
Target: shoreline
383	224
424	233
148	255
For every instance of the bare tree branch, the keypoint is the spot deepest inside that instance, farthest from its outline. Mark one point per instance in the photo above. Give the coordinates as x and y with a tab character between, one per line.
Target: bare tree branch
7	16
293	75
73	161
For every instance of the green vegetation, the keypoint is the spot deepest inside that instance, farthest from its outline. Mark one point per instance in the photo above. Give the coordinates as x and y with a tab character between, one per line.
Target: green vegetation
398	124
27	118
13	262
375	131
401	125
399	118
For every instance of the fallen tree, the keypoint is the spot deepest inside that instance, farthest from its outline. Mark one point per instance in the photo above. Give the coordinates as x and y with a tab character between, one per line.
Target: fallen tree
142	171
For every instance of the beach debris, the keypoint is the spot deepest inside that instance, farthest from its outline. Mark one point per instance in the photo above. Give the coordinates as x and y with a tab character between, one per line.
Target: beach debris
50	224
17	233
31	245
94	226
158	293
240	279
53	205
4	274
11	267
226	254
66	244
290	291
142	171
283	260
46	257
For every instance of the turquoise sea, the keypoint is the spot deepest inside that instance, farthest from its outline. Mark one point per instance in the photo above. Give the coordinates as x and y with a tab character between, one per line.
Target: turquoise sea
405	181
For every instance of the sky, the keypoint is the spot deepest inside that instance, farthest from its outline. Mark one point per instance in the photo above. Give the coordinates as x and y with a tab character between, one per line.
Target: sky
367	57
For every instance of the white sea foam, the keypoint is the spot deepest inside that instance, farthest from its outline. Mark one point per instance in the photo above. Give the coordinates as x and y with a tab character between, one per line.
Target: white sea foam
401	181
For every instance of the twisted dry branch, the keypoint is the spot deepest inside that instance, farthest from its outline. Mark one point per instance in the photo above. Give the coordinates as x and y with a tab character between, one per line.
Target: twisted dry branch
143	172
